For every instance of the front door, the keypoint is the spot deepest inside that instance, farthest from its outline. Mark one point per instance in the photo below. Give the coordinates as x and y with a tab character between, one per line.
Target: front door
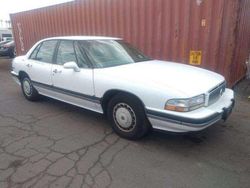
74	87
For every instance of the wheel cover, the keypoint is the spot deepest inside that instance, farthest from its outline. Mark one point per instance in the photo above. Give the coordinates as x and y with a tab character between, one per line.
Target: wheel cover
124	117
27	87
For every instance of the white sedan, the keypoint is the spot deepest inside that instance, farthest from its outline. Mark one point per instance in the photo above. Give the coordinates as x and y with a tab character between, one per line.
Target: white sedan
137	93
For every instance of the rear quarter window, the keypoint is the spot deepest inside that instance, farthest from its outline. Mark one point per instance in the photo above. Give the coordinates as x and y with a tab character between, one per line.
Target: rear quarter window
33	54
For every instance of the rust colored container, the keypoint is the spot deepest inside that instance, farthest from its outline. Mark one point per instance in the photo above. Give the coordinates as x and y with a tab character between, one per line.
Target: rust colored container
213	34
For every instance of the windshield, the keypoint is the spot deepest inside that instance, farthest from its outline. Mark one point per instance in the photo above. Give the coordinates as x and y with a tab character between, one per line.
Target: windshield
109	53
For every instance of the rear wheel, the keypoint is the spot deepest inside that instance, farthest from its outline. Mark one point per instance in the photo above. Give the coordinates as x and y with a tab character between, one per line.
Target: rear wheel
28	89
127	116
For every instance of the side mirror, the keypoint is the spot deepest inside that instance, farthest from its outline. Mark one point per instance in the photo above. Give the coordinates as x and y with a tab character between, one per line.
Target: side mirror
71	65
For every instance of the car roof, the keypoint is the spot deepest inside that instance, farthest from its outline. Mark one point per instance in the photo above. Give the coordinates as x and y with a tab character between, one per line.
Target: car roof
82	38
72	38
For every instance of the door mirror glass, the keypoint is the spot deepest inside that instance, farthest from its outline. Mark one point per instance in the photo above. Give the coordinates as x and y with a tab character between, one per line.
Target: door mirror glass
71	65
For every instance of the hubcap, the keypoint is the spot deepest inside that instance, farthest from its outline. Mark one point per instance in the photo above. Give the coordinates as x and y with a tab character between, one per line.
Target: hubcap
27	87
124	117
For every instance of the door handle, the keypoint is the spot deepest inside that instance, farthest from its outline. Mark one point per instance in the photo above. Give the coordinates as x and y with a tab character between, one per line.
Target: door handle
29	65
57	71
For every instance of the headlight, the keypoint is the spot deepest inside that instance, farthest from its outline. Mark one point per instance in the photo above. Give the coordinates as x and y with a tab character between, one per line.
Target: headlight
185	105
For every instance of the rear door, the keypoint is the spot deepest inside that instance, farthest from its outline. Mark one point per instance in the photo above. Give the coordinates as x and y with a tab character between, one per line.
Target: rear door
40	63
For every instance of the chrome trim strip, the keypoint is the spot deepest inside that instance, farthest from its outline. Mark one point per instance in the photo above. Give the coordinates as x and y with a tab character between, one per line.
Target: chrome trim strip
67	92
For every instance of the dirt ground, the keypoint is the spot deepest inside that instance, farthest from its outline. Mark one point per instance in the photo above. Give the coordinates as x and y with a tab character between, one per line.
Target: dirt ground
52	144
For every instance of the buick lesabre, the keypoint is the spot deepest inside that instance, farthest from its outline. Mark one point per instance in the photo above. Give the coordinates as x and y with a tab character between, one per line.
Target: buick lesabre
135	92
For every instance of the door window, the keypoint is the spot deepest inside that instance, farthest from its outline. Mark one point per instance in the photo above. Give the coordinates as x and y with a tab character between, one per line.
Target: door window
81	57
46	51
66	53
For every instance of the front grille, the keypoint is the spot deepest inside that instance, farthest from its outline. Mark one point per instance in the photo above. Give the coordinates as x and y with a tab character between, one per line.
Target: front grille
216	93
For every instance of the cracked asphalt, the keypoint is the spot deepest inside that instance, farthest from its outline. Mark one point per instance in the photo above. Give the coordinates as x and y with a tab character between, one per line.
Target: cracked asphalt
52	144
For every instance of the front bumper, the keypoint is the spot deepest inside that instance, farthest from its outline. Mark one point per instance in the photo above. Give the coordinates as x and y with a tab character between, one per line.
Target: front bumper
4	52
195	120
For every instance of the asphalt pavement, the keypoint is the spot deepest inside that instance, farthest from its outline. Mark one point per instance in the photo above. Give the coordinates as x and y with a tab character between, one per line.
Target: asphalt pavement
52	144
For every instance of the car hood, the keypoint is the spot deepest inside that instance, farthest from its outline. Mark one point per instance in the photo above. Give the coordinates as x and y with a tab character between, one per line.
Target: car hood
184	79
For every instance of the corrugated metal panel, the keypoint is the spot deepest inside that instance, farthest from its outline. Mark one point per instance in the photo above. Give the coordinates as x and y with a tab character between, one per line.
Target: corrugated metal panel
163	29
242	42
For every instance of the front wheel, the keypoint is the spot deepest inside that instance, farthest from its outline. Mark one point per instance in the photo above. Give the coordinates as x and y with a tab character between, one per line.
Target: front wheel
127	116
28	89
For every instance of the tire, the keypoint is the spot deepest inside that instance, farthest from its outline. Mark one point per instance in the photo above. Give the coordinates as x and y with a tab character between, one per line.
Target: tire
127	117
12	53
29	92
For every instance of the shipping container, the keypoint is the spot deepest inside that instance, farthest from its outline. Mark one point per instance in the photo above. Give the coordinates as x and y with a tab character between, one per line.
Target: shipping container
213	34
